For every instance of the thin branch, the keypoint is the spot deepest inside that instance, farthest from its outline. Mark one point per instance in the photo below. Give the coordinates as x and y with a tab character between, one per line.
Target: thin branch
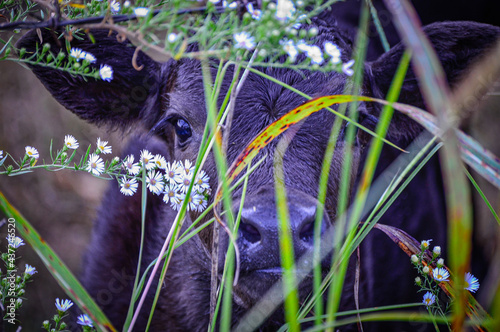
54	22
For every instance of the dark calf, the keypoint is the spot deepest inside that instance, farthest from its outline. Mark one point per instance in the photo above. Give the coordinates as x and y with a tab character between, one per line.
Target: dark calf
170	95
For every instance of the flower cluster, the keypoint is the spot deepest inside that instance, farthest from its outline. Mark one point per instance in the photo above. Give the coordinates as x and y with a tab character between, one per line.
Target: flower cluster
434	273
105	71
12	285
170	179
286	11
62	307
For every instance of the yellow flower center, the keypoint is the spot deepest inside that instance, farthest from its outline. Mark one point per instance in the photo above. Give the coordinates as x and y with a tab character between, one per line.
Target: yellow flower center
93	165
153	182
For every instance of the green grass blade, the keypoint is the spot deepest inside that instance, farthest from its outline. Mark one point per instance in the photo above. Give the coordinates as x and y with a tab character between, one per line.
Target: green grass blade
483	196
436	93
344	226
285	238
57	268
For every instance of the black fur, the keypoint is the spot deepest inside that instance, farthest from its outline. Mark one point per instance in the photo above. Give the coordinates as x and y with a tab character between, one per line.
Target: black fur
175	89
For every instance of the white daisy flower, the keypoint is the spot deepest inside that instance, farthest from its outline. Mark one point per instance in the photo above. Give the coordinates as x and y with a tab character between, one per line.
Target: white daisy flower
202	181
285	10
128	186
202	205
147	160
302	46
160	161
106	73
170	191
333	51
429	299
95	165
155	182
244	40
77	53
102	146
32	152
29	270
126	4
194	201
291	49
186	181
471	283
141	11
346	68
63	305
187	167
70	142
314	53
200	202
177	200
436	251
1	154
425	244
440	262
172	37
231	5
15	242
440	274
130	166
84	320
115	6
173	172
89	57
256	13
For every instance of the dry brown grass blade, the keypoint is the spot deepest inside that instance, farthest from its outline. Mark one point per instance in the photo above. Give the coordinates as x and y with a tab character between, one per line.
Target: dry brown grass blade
479	317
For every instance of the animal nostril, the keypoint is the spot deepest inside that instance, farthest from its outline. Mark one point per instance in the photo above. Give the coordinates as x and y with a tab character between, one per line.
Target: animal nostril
249	233
306	233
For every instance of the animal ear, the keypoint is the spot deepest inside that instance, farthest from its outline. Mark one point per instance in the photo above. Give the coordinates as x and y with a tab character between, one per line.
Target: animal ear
130	95
457	44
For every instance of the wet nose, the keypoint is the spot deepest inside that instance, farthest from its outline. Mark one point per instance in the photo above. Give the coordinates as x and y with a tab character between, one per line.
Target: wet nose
259	224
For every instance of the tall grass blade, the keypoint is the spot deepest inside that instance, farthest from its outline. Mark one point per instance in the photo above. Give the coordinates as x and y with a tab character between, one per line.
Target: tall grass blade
436	93
57	268
340	261
290	285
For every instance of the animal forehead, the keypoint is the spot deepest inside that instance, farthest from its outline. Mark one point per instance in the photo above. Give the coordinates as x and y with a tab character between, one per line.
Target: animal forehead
259	96
268	95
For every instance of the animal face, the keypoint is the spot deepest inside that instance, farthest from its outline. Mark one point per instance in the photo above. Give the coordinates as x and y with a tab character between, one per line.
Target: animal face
167	100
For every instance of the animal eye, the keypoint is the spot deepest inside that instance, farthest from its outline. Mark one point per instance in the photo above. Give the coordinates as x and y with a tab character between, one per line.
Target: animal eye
182	129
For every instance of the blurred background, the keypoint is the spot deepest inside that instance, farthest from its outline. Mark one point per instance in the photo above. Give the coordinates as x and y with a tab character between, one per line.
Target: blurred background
60	205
